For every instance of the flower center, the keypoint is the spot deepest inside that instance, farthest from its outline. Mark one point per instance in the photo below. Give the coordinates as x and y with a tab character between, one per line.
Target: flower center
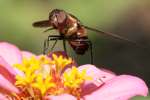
43	76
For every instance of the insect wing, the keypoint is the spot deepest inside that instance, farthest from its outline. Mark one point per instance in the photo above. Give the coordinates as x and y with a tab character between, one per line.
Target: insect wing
44	23
110	34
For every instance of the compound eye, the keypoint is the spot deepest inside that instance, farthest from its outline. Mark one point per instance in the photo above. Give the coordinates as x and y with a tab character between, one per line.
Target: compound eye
54	20
61	17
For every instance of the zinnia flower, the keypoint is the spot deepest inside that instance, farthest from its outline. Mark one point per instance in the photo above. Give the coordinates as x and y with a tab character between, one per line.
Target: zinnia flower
25	76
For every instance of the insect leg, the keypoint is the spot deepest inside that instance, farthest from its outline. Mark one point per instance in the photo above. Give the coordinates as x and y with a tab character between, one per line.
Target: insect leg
50	38
53	45
45	46
58	37
91	48
64	44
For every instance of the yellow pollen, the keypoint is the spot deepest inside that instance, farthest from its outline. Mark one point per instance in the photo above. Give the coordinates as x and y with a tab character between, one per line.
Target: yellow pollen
36	74
43	85
60	62
73	81
42	76
74	78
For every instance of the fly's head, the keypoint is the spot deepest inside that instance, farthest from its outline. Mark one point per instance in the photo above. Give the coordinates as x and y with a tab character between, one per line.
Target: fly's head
57	17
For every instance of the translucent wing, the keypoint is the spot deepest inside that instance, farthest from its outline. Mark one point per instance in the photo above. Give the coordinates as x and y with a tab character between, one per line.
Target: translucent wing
113	35
43	23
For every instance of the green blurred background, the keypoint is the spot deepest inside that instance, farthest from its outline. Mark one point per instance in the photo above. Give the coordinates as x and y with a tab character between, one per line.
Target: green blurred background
129	18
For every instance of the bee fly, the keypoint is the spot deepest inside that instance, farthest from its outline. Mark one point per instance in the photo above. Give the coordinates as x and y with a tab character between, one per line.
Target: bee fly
71	30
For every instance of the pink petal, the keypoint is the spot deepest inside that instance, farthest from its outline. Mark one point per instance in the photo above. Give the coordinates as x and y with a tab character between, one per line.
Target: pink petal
6	86
99	78
27	54
61	97
10	53
2	97
122	87
6	70
97	73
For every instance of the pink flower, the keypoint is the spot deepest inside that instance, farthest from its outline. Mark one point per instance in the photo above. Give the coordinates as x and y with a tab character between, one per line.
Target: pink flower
92	83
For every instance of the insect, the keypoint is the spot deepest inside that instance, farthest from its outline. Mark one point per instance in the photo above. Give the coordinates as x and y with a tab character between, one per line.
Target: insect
72	30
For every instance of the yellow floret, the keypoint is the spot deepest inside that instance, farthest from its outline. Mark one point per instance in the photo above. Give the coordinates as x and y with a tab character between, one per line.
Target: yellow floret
60	62
74	78
43	84
36	73
43	76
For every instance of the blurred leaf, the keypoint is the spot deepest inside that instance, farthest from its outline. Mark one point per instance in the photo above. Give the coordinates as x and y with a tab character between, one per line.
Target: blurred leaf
141	98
